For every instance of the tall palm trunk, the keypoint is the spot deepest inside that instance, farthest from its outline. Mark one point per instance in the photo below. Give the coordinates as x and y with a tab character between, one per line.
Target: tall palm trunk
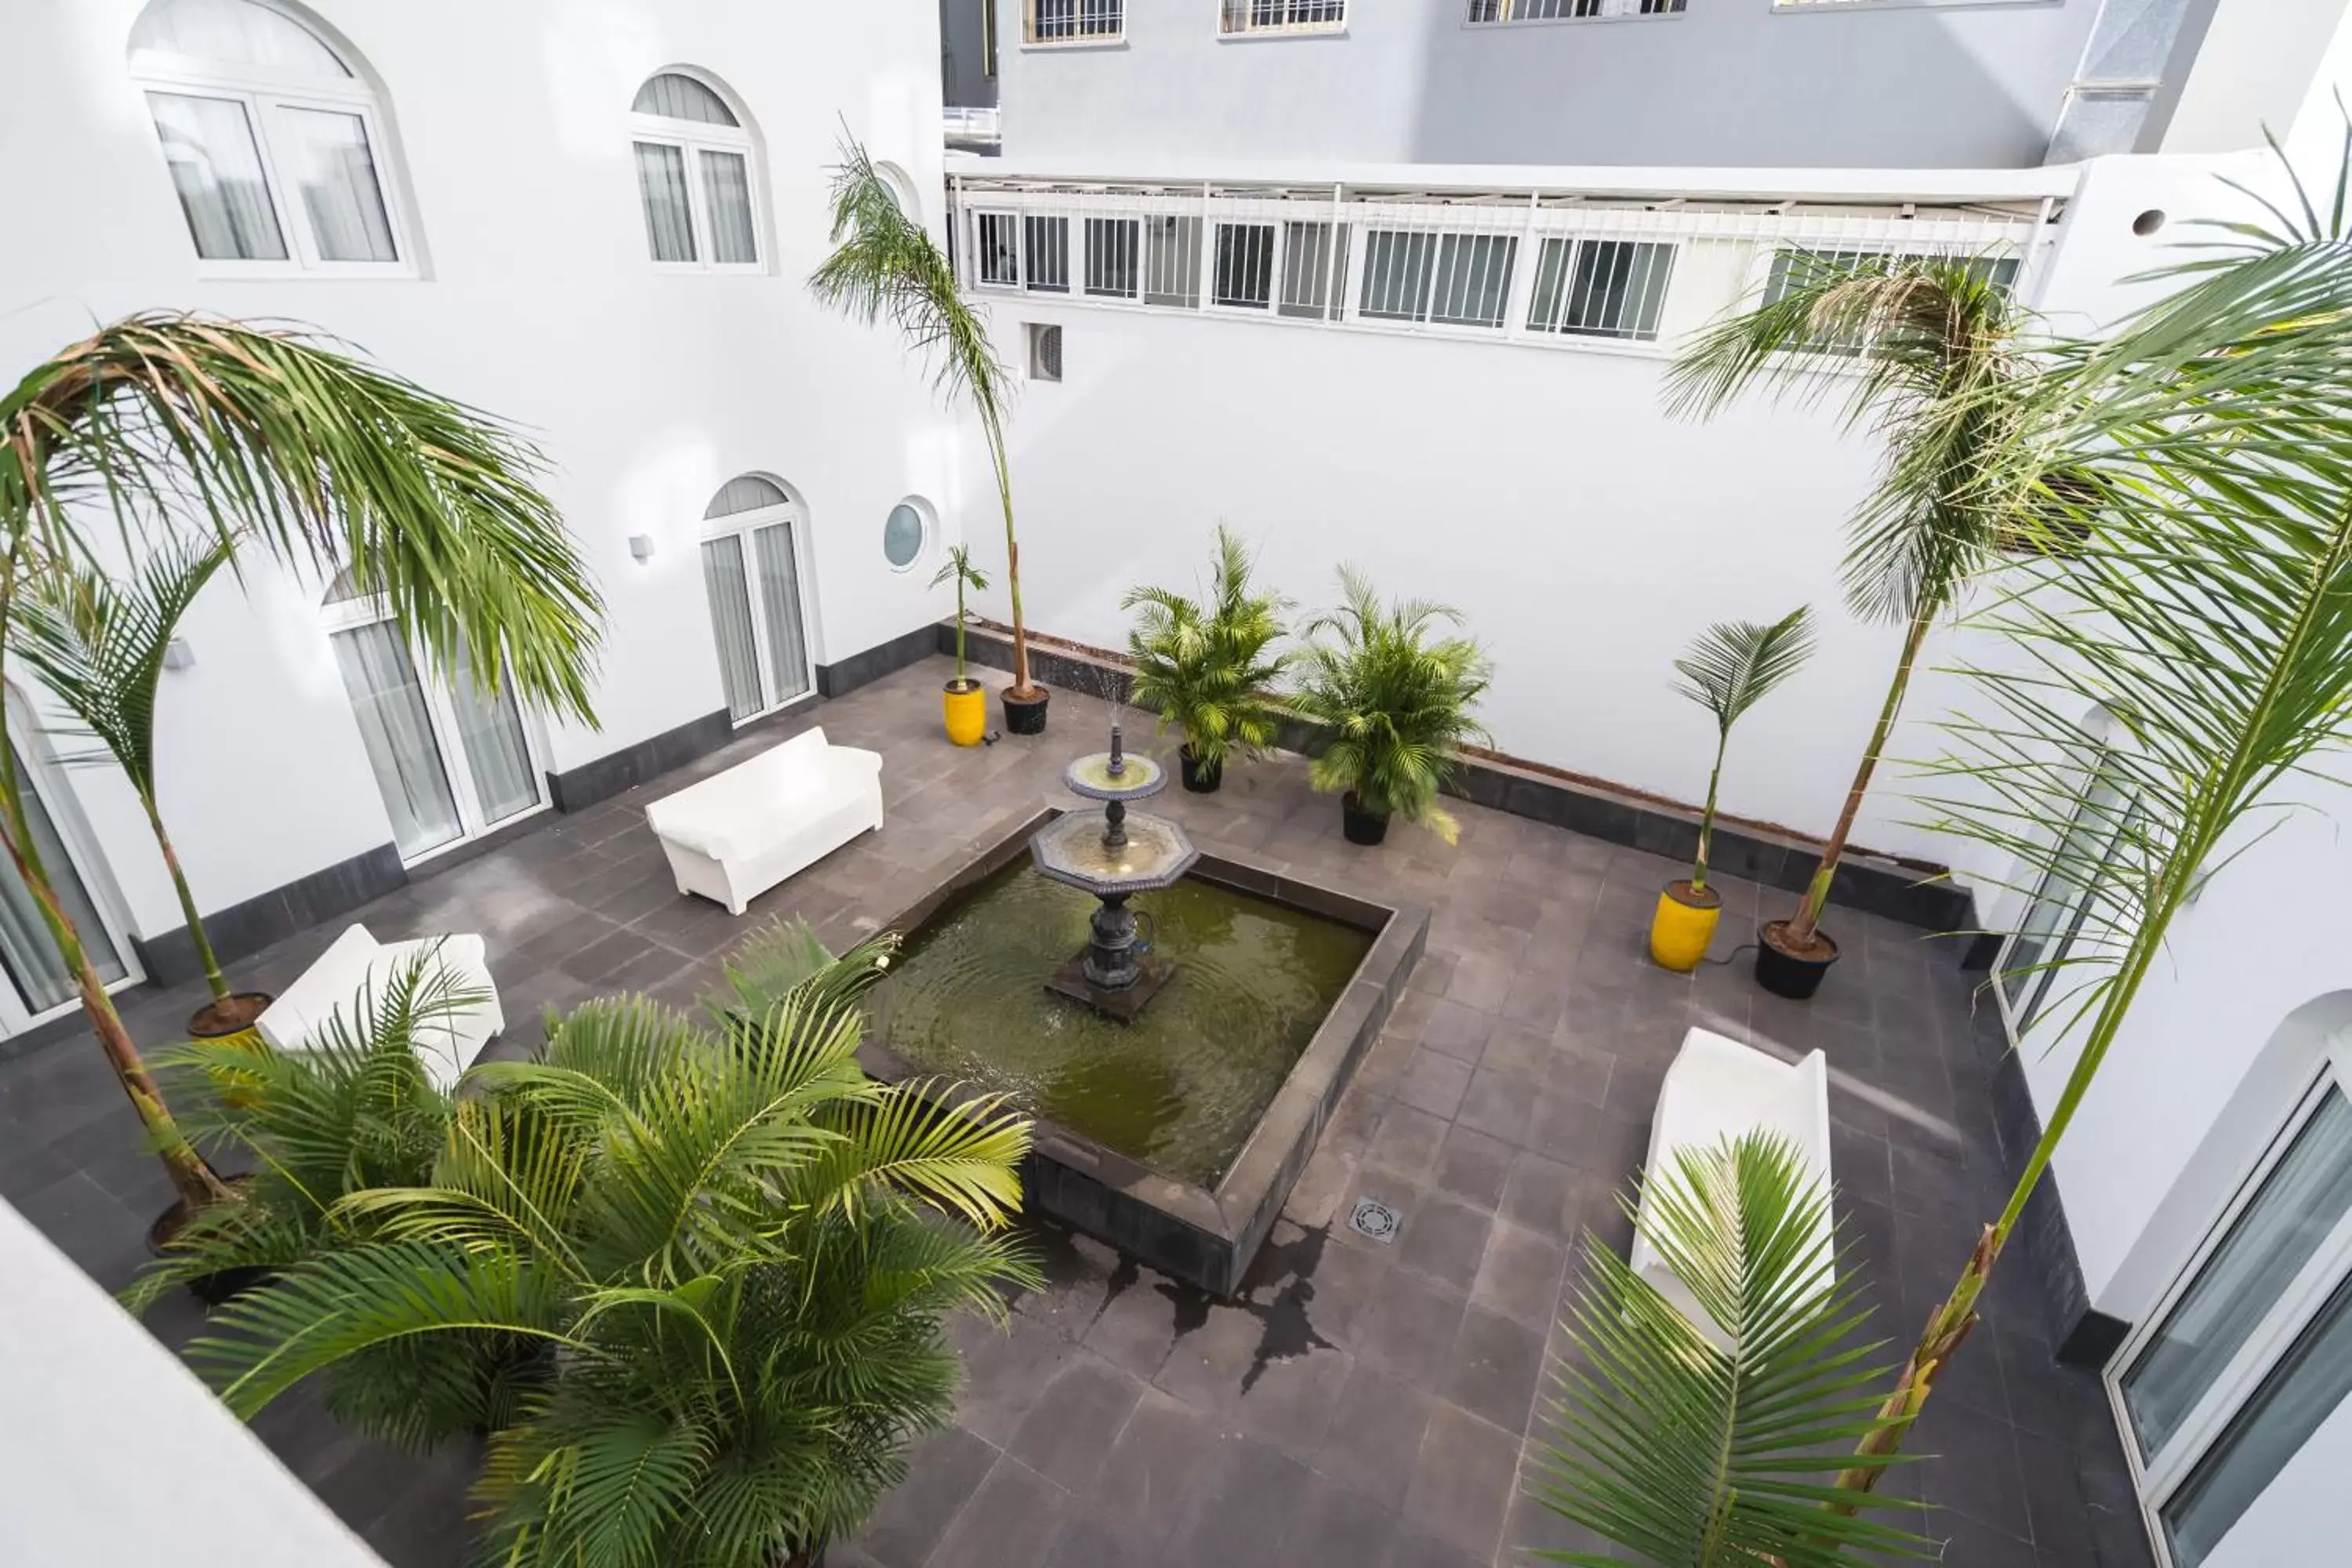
1012	558
1800	927
204	955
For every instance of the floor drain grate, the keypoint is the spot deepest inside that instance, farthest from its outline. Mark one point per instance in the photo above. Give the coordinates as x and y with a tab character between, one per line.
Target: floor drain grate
1375	1219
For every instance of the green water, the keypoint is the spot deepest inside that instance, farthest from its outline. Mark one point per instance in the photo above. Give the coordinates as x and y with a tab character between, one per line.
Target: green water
1182	1086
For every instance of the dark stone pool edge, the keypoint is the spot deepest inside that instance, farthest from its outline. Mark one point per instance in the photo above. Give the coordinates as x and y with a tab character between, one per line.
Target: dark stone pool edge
1205	1237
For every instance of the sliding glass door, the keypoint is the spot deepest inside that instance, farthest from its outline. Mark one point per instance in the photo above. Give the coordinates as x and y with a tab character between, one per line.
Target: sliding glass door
450	760
751	572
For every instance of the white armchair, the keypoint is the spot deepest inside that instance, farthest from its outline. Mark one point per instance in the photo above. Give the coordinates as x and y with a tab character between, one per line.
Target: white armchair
447	1046
737	834
1719	1089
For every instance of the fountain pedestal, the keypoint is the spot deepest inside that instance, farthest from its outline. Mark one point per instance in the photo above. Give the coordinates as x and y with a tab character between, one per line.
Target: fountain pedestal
1114	856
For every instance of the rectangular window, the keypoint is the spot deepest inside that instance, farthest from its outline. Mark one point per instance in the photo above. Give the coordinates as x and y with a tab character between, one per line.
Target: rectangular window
216	168
727	199
669	209
1794	268
1245	265
1045	255
1111	244
996	249
1454	279
1600	287
1282	16
727	583
1314	269
1171	261
1569	10
2061	908
1069	21
334	172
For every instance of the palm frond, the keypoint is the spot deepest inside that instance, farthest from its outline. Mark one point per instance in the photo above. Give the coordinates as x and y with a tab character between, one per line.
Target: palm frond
1718	1446
1734	665
1206	668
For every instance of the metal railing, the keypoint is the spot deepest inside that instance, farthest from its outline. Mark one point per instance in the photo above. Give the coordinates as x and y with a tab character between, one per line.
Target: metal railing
1499	11
1075	21
971	123
1239	16
1534	266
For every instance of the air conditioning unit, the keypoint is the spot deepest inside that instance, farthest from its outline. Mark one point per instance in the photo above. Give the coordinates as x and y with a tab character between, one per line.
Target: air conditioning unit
1045	351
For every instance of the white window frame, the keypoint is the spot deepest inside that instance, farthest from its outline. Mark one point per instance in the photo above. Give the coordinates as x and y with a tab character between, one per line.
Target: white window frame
448	739
264	94
2306	1297
88	864
1237	20
2018	1016
1112	38
1513	13
744	524
693	138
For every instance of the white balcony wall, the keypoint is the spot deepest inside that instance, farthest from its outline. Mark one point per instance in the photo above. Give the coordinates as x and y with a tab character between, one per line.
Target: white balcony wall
534	297
1894	86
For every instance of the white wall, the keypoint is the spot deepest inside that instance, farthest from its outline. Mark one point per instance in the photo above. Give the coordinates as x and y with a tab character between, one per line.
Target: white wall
1901	86
648	390
113	1453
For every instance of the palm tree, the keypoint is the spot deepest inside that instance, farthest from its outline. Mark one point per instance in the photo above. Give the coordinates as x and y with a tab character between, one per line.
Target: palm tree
262	438
738	1249
1731	667
1204	668
1393	704
884	267
2205	609
98	645
957	569
1934	344
1698	1446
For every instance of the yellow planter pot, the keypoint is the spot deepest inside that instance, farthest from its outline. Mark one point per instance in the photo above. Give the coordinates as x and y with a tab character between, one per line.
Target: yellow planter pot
967	711
1683	926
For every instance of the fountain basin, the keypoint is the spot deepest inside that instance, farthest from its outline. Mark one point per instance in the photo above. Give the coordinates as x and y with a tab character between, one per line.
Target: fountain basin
1176	1137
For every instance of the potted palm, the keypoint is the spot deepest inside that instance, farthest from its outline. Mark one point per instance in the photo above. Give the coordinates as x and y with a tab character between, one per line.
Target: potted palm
272	443
1728	670
884	267
966	701
740	1250
98	645
1933	341
1393	704
1205	667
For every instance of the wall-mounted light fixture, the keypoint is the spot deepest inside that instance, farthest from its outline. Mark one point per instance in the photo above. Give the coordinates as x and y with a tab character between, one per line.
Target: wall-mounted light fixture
178	655
641	546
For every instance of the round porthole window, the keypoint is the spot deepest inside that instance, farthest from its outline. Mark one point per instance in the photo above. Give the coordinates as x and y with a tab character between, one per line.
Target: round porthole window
904	534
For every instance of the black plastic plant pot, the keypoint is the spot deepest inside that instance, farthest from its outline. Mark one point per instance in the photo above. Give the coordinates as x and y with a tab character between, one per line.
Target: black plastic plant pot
1201	778
211	1289
1025	715
1358	826
1790	974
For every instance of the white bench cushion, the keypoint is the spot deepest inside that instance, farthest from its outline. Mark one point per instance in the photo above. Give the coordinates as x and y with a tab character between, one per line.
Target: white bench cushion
739	832
356	962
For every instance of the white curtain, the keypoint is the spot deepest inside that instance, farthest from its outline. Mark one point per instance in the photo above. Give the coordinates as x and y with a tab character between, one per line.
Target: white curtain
2300	1394
31	955
730	623
489	729
208	144
398	734
669	215
335	171
780	609
2307	1194
727	198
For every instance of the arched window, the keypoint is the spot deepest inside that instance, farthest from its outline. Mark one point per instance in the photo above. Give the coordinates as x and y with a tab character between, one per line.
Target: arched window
450	760
750	568
696	177
273	143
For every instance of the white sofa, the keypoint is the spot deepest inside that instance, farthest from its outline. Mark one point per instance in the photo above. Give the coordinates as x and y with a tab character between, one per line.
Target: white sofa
448	1046
737	834
1719	1089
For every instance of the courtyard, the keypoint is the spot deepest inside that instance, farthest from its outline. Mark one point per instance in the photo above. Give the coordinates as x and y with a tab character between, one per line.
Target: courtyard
1362	1403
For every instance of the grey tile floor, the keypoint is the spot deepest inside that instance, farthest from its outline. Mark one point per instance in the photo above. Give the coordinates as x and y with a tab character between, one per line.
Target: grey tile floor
1360	1404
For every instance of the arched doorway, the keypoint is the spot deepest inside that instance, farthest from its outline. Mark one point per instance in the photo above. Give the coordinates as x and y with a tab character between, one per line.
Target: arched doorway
751	536
451	761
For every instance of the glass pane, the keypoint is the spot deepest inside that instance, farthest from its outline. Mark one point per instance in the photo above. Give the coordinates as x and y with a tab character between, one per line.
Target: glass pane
1474	279
1615	289
490	730
208	144
902	536
745	492
1396	275
998	249
236	31
731	623
2302	1391
2041	934
676	97
2305	1196
327	156
1048	241
1314	269
1171	261
780	609
1244	274
726	197
30	954
669	215
390	706
1111	257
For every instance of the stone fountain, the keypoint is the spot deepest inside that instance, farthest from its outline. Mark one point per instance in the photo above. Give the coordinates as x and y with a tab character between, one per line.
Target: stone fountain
1113	854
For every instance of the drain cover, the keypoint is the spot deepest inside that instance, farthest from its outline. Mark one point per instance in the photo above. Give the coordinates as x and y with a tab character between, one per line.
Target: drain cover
1375	1219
